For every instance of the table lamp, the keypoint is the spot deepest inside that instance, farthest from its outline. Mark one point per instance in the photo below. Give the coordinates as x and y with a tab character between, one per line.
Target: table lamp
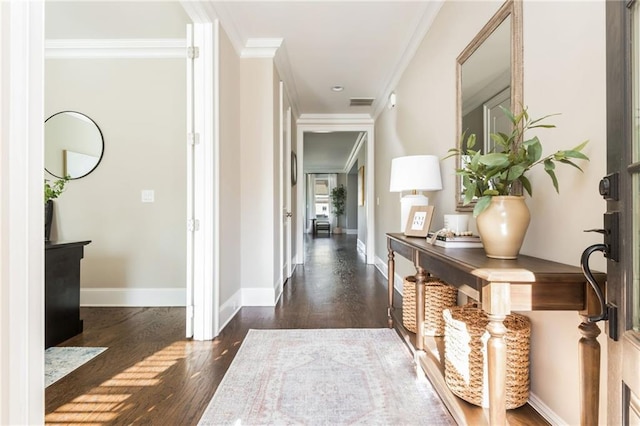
412	174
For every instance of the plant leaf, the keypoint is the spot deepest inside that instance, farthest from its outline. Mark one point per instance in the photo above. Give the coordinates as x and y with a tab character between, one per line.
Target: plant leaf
481	205
575	154
526	185
508	113
495	159
549	167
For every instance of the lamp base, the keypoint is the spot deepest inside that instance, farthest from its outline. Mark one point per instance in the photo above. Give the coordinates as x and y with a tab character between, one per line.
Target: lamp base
406	203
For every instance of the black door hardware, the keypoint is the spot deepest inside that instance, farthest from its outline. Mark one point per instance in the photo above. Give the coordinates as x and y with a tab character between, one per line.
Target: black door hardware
608	311
609	187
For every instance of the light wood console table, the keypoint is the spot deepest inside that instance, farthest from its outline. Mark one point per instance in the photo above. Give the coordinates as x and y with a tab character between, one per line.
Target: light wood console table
502	286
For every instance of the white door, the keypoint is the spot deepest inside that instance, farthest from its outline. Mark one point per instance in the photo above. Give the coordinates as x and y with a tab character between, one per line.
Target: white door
203	279
623	167
190	184
290	174
285	188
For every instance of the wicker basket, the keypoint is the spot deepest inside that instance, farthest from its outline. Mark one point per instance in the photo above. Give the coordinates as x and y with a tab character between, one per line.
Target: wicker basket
438	296
465	346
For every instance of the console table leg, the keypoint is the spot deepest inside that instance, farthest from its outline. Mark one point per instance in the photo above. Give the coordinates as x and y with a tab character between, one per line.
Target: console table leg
589	358
421	279
497	366
391	272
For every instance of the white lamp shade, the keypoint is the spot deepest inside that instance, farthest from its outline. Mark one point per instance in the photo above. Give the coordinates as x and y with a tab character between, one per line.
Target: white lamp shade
415	173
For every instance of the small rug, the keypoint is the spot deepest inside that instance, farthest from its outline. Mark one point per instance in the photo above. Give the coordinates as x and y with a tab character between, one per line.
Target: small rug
324	377
60	361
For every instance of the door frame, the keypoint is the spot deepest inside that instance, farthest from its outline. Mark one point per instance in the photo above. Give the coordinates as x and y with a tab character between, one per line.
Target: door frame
620	275
345	123
21	218
203	180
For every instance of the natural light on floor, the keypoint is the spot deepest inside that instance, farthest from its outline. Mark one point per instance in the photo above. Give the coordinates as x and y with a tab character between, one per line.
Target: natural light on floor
104	403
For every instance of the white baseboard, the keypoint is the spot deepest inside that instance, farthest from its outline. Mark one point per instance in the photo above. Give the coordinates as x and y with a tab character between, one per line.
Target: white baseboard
546	412
384	270
137	297
229	309
362	247
352	232
258	297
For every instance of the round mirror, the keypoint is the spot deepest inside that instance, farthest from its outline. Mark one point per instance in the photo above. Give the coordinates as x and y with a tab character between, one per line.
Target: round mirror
73	145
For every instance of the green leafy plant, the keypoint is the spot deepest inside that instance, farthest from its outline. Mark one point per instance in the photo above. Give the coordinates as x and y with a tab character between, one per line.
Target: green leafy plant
493	173
338	200
53	190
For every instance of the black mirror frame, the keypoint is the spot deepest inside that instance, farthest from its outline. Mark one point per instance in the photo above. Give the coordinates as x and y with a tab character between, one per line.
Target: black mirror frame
101	141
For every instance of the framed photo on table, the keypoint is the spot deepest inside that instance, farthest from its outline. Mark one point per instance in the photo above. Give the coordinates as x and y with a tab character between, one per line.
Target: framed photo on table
419	221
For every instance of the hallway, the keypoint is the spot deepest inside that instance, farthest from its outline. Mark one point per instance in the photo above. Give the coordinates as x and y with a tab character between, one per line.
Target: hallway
150	374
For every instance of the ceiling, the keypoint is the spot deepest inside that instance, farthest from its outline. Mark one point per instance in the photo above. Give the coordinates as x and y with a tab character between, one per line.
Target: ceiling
329	152
363	46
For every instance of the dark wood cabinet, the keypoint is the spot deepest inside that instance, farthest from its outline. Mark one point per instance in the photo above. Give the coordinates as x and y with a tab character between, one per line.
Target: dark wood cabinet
62	290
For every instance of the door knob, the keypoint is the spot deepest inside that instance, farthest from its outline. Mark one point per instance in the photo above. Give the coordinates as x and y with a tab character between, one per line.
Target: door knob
289	214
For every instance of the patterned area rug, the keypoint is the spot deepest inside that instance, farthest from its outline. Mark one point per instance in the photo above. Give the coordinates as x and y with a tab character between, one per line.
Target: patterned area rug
324	377
60	361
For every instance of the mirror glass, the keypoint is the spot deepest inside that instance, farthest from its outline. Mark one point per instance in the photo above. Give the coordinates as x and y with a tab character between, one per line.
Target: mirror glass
73	145
489	76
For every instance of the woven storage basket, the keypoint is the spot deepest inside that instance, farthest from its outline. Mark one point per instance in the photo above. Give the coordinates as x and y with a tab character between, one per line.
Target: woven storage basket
465	347
438	296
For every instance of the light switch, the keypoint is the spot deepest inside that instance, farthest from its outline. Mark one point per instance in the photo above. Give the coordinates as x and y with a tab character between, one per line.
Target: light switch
148	195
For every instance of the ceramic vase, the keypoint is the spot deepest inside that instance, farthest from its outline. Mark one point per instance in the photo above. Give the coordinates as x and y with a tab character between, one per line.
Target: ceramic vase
503	225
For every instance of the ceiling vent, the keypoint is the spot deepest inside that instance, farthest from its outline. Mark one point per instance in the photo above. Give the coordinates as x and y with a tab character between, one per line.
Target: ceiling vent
361	101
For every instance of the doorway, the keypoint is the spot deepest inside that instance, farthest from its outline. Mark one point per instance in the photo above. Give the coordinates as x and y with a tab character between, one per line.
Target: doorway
365	143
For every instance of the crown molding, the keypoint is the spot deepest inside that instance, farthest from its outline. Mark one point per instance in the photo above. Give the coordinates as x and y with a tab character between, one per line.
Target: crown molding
115	48
334	119
261	48
429	15
323	170
353	156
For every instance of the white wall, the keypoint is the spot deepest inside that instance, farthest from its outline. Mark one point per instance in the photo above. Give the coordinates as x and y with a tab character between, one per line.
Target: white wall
363	224
564	71
139	105
230	179
351	216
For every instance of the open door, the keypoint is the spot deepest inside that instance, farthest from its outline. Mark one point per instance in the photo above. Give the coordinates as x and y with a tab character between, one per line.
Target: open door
202	142
285	187
621	189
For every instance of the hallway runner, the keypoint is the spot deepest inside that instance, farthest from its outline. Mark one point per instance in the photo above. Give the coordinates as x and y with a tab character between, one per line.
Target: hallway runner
324	377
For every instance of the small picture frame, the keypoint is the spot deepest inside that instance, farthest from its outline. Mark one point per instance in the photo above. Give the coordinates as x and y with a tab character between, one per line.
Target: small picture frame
419	221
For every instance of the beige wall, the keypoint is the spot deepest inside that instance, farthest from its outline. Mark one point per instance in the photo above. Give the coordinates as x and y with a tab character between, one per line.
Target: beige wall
257	168
276	182
139	104
230	171
564	71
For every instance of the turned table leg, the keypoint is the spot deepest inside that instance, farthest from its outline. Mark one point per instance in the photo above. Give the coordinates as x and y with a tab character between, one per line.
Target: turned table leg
391	272
589	358
496	302
497	366
421	279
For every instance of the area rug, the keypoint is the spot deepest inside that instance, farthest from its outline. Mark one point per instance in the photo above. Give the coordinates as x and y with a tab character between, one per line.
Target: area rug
324	377
60	361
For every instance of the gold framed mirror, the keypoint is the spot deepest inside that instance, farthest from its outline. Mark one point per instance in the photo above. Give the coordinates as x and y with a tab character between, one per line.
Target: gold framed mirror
489	75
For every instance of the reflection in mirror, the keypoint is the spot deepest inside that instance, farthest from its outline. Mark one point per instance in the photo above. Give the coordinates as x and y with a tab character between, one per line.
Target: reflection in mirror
73	145
489	76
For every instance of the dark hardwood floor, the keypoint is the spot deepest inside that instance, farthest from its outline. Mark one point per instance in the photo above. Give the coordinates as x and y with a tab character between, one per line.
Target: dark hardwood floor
152	375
